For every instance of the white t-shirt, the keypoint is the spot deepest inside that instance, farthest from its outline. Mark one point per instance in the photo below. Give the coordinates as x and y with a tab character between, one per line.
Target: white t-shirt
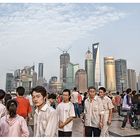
74	97
125	106
64	111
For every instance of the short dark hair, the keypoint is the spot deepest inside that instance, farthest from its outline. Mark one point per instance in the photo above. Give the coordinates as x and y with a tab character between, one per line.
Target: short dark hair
67	90
91	87
2	94
128	90
20	90
75	88
52	96
12	107
103	89
134	92
118	92
6	98
39	89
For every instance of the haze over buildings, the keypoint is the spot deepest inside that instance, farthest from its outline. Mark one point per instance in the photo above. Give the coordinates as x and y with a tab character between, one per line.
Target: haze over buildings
45	27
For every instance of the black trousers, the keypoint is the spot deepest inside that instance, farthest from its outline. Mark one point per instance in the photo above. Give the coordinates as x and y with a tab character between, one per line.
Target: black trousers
119	110
127	117
92	131
64	134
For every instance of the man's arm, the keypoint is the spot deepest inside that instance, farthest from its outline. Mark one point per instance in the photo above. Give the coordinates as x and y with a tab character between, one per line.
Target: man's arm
109	117
101	120
101	113
110	107
71	117
62	124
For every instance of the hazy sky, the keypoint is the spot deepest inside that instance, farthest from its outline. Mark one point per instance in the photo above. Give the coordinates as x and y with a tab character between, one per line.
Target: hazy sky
31	33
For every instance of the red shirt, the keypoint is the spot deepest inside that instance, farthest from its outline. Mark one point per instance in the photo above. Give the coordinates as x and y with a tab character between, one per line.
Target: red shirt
23	107
79	99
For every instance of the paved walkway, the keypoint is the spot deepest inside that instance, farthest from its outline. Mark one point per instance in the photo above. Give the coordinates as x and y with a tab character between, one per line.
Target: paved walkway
78	128
127	132
114	130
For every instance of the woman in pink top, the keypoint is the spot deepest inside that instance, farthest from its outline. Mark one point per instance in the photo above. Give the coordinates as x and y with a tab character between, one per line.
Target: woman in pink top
13	125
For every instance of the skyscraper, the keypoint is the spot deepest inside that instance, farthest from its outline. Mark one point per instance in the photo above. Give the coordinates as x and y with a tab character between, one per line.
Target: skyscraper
89	68
40	70
26	78
132	83
121	74
40	80
17	78
34	79
96	65
109	73
54	85
81	80
64	61
9	81
70	76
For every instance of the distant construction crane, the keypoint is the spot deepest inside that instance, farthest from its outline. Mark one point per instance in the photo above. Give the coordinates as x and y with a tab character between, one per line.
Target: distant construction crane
65	50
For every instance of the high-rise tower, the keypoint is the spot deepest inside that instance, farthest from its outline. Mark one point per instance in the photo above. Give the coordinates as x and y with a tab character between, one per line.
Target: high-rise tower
71	71
40	70
110	75
81	80
96	65
64	61
9	81
89	68
121	74
132	79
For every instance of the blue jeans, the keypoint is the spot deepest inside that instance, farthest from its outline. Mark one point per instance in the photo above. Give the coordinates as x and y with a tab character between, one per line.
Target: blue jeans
76	108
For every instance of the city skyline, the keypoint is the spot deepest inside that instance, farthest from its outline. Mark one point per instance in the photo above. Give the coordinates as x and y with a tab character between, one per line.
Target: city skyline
36	30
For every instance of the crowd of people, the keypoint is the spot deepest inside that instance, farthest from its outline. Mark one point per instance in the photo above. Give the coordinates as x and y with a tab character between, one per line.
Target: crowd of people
53	115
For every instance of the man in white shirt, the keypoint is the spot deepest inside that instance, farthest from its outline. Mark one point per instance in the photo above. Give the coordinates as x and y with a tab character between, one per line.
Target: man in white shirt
74	100
93	114
66	114
127	108
108	106
45	117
